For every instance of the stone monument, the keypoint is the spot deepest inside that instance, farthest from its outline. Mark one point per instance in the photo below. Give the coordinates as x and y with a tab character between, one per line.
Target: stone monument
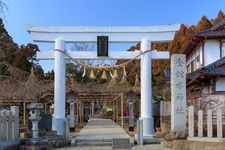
178	93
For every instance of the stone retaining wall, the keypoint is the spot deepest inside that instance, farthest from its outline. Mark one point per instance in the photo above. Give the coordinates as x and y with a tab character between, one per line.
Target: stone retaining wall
194	145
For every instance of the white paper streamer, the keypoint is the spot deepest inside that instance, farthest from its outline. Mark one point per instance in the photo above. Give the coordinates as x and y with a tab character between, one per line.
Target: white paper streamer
84	72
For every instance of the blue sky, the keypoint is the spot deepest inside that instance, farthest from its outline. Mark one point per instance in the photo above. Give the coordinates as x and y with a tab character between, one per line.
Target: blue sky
102	12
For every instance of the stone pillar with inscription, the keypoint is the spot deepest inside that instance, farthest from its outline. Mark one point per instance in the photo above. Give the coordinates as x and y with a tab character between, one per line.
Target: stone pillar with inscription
178	93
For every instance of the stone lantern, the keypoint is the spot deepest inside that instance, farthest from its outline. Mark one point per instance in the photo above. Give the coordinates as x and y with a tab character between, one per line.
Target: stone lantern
71	97
35	117
131	100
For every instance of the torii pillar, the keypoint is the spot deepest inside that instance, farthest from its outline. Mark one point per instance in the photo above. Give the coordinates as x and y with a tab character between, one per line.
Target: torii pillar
146	90
59	88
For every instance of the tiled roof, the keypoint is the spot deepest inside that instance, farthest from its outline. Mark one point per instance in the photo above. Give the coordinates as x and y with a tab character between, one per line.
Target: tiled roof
214	30
215	68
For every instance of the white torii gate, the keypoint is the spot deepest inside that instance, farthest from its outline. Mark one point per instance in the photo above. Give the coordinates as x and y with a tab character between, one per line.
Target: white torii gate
122	34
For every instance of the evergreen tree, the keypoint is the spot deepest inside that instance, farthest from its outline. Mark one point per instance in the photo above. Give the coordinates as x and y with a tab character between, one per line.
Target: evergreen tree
203	24
7	46
177	42
25	57
189	33
219	17
50	75
13	57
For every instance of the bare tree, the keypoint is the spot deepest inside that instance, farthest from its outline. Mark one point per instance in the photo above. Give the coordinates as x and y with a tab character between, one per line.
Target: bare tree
3	7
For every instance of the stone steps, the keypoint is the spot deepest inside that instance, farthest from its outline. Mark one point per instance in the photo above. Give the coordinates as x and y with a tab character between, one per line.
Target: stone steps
83	144
92	142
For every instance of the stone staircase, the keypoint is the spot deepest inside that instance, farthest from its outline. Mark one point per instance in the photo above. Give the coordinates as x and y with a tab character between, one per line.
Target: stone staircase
91	142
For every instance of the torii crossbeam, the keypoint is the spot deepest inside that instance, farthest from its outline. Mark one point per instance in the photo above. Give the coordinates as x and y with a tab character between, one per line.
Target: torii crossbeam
122	34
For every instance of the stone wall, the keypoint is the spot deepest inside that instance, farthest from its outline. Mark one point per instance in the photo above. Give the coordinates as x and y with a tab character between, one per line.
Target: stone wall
194	145
208	101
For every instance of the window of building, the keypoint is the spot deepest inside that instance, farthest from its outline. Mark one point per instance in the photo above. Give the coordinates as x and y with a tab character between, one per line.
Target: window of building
193	61
220	85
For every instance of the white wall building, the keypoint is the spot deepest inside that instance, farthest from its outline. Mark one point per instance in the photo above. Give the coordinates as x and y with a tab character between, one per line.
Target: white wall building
205	57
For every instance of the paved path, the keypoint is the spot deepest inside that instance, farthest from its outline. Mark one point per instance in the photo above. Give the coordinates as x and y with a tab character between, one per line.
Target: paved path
104	130
101	130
